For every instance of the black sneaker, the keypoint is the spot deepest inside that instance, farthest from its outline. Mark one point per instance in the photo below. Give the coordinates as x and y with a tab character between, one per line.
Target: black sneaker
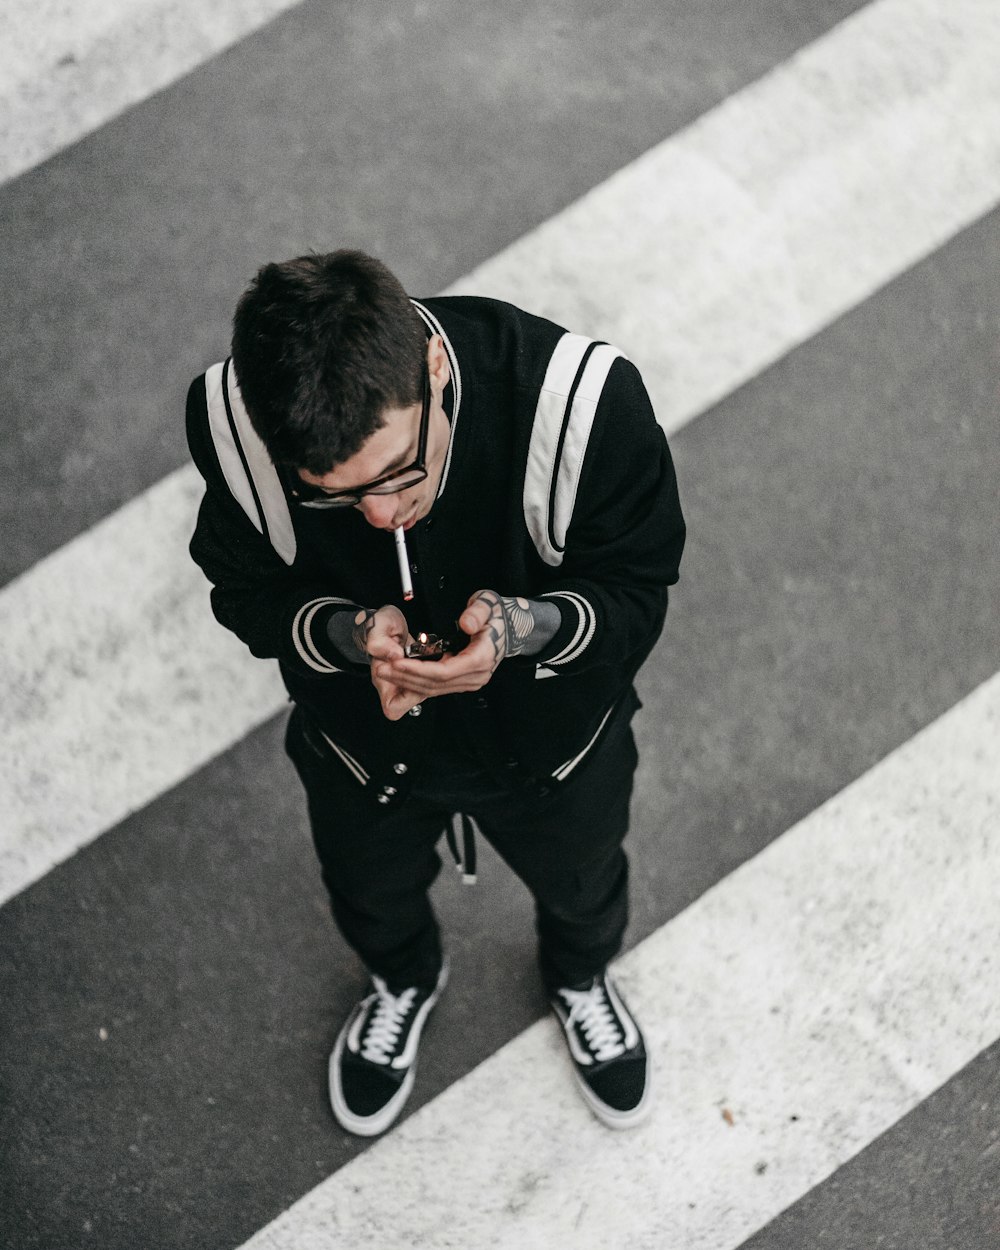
373	1064
607	1050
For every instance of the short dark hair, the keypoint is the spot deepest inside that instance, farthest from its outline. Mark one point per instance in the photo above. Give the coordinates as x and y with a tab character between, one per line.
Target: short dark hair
322	346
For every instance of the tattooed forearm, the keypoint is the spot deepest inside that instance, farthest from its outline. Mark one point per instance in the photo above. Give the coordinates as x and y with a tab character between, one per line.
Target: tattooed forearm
363	623
520	622
496	624
349	634
518	626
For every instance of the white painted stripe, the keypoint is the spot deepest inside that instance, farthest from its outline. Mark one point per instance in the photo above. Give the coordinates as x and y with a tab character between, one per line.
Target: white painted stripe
117	681
151	687
715	253
817	994
66	69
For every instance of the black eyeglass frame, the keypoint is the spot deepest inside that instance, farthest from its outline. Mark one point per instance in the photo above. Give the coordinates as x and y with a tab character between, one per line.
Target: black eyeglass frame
310	496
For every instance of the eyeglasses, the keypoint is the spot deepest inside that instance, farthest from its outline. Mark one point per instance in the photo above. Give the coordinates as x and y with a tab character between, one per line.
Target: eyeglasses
310	496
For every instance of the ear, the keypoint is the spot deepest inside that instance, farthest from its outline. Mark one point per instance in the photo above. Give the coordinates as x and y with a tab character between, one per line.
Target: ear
437	364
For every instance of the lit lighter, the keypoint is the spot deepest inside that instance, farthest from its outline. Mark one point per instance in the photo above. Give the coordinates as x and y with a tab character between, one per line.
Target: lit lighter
427	647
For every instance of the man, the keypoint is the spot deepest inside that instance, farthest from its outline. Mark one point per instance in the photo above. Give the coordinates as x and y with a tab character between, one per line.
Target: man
521	471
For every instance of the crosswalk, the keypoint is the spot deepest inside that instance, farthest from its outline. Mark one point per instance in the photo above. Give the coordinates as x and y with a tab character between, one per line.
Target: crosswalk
752	255
810	1010
70	68
817	993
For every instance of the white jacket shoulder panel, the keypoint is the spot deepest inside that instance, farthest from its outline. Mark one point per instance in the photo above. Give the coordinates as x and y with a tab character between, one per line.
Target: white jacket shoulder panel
245	463
564	418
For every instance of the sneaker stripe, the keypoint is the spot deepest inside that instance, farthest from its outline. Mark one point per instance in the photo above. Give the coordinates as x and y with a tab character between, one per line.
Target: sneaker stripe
350	1039
409	1052
579	1053
630	1030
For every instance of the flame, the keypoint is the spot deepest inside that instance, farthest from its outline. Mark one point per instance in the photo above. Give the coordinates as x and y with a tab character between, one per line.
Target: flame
422	639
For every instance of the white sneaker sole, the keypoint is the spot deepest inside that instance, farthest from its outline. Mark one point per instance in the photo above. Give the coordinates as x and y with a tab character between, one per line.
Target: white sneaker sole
372	1125
619	1119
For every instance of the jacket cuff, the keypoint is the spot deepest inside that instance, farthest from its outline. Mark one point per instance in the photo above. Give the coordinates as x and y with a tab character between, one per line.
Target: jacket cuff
574	635
310	636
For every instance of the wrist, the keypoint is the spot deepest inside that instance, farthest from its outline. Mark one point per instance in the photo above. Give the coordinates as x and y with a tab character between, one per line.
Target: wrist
531	623
348	632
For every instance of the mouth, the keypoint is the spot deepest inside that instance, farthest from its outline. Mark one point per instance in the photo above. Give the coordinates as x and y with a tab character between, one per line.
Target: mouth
407	524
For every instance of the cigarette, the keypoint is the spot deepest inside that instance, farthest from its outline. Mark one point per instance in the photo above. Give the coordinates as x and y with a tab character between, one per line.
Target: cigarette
404	563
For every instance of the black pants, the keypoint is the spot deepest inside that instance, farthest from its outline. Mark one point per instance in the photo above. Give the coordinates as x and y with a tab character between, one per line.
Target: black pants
566	847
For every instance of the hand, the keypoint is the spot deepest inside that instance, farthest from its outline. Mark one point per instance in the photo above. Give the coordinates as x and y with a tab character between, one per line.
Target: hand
497	627
382	636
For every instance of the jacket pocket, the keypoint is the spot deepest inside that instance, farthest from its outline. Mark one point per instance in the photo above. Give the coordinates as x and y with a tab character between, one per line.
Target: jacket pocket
323	746
564	770
630	701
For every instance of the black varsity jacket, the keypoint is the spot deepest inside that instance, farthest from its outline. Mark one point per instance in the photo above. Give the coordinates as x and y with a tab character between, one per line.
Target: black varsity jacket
558	483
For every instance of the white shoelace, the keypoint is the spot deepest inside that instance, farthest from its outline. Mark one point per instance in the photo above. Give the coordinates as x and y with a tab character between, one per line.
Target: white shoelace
592	1011
385	1023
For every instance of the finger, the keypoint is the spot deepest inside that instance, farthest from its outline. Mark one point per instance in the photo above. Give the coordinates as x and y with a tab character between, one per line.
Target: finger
396	701
388	626
385	647
476	614
434	674
397	705
455	685
459	685
413	686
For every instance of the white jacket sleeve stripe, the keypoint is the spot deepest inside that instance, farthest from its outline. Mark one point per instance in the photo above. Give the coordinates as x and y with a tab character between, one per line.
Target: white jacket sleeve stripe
584	630
302	634
245	463
564	417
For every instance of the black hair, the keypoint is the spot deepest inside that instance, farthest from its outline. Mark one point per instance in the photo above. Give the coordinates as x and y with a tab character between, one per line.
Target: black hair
322	346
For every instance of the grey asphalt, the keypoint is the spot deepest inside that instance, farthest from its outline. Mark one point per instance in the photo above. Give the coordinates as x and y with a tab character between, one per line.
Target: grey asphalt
932	1182
839	592
432	137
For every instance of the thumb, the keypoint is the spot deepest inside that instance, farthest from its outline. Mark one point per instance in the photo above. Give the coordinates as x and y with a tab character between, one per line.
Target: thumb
475	615
385	638
383	647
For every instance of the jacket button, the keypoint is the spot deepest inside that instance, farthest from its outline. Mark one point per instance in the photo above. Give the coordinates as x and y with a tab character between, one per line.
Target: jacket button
512	763
415	711
482	701
399	769
441	582
390	790
384	798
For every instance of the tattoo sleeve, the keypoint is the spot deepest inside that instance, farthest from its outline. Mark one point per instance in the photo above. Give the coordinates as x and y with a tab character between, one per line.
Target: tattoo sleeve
518	626
363	623
349	634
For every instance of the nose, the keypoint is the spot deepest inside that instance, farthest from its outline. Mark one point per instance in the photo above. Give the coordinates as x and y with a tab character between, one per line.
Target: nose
378	510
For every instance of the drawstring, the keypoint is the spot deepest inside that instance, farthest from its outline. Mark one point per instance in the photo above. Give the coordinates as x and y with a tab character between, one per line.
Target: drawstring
463	827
